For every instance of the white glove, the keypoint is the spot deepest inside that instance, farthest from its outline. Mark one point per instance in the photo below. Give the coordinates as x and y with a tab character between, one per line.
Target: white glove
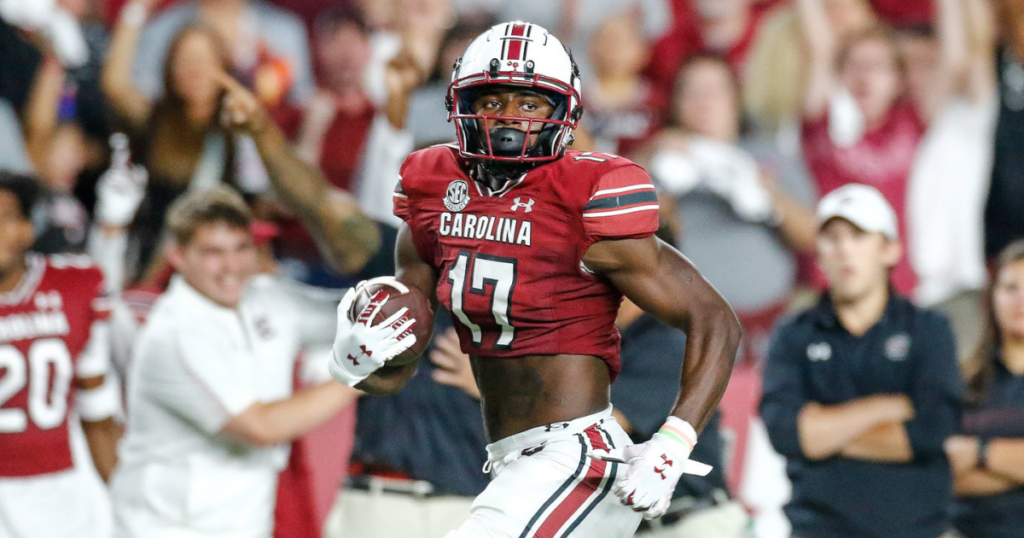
734	175
359	350
120	189
655	467
675	172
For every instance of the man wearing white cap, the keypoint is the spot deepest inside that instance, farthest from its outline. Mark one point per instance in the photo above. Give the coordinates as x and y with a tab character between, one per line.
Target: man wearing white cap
861	390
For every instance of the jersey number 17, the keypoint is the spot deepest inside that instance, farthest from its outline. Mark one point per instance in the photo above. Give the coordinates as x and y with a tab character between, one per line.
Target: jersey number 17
472	273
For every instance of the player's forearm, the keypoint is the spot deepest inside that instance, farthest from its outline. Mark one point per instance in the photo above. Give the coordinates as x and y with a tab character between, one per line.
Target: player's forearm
388	380
102	437
886	442
826	430
347	238
979	482
712	338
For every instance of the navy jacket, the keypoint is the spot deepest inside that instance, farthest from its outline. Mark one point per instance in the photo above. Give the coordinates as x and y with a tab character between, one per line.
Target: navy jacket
813	358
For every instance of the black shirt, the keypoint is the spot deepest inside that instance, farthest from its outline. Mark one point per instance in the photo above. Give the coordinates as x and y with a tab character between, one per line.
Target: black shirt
431	431
1004	213
1000	515
813	358
646	389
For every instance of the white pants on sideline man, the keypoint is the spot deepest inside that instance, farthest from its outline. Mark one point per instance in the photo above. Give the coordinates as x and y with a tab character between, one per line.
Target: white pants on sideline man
382	514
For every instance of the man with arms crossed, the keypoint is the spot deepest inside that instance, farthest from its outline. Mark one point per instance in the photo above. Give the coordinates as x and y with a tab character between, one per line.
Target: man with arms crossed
531	248
210	388
54	358
861	391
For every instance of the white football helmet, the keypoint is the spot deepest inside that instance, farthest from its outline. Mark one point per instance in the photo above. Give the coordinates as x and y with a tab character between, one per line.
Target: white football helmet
516	54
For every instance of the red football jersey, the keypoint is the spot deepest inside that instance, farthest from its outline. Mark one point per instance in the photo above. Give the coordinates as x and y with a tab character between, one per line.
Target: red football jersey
45	326
509	262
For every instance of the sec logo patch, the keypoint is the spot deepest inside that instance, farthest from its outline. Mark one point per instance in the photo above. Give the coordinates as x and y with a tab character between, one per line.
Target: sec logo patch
457	197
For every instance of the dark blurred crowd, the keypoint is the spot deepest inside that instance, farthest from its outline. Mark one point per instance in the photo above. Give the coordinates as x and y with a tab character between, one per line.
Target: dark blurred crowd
745	112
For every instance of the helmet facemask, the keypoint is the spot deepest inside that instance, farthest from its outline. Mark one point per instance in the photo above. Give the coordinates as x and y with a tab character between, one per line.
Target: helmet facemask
511	143
517	56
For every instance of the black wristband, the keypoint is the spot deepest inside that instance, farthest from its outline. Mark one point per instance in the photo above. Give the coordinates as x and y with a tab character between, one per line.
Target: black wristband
982	453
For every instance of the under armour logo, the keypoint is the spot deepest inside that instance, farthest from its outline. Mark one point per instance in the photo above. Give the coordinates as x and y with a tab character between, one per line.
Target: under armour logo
666	464
355	361
528	205
555	426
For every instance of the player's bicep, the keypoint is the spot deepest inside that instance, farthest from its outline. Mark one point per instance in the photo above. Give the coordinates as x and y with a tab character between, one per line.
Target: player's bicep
410	266
655	276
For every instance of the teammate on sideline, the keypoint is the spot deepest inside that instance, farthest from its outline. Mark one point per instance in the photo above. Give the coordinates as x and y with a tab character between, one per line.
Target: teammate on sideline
54	354
531	248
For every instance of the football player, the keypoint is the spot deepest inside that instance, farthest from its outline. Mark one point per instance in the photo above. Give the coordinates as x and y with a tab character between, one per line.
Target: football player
532	247
54	357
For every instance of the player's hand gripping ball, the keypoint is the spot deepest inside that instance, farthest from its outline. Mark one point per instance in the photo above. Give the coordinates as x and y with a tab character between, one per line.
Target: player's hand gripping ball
380	298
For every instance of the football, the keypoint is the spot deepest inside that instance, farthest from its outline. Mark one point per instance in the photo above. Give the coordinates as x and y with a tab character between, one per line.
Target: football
394	298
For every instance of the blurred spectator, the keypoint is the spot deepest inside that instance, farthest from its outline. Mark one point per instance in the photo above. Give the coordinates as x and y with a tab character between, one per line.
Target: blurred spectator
358	146
729	27
267	46
861	391
775	70
575	21
733	203
346	237
427	121
1004	213
902	13
731	198
858	126
338	117
643	392
418	454
13	154
70	30
210	386
988	458
56	361
952	169
416	25
621	106
61	152
177	136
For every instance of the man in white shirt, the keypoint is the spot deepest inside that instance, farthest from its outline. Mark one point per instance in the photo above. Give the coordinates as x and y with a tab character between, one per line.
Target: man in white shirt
210	388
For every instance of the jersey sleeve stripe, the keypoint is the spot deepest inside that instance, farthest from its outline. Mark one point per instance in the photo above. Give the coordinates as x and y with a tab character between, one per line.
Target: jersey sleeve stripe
645	186
621	200
621	211
399	195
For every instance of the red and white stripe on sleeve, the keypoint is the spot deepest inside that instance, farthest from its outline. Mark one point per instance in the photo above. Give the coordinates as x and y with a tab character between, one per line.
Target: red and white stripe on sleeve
624	206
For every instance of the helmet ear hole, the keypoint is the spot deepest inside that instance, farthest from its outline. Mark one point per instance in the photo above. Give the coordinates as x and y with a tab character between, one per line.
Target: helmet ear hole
449	104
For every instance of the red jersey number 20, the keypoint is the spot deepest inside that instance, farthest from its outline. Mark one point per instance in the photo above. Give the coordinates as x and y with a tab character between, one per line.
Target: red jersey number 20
472	273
